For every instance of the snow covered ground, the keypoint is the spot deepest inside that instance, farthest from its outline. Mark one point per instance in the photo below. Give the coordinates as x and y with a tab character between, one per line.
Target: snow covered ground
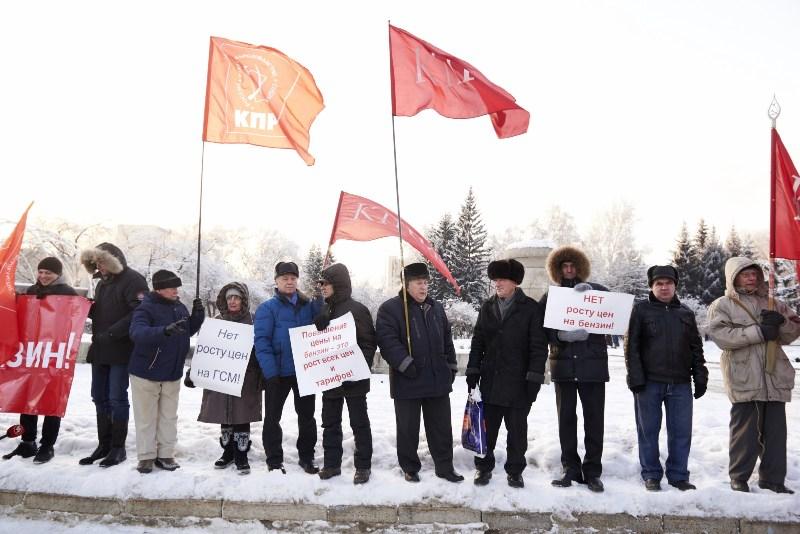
198	448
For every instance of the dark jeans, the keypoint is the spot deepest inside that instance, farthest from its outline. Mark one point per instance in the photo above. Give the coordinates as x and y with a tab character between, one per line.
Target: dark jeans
593	400
516	441
332	431
677	401
758	430
110	391
49	428
438	429
275	396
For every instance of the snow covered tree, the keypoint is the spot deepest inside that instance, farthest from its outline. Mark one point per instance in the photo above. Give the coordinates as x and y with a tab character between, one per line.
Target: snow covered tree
443	239
713	262
696	270
462	318
786	284
733	245
312	267
682	260
471	254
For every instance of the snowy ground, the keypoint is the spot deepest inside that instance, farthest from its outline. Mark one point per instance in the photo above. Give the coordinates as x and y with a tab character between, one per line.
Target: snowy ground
198	448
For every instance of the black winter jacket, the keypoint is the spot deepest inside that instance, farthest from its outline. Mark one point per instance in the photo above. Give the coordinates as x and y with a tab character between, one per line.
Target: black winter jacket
58	287
509	352
663	344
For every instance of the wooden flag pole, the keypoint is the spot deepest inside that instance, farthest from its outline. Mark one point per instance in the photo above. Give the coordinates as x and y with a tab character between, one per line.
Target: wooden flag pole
773	112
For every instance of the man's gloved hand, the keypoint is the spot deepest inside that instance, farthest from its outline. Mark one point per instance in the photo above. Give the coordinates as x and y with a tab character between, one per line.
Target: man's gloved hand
411	371
770	331
197	305
573	335
175	328
699	390
533	390
322	321
187	380
638	389
771	317
583	286
472	381
102	337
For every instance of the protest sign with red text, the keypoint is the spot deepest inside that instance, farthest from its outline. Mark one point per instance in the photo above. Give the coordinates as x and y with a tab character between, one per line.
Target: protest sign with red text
598	312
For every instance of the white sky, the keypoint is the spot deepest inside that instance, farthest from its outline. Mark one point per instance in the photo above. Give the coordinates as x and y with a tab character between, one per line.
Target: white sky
662	104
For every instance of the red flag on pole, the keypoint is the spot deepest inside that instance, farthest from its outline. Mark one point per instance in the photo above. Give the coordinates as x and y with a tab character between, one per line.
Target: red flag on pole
9	253
361	219
785	238
425	77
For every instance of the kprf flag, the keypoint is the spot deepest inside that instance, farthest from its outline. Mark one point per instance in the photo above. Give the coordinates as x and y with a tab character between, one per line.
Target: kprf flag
9	253
785	242
259	96
361	219
425	77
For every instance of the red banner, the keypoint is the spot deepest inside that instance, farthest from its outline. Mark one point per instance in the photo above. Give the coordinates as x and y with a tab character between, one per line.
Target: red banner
425	77
360	219
9	253
785	242
38	377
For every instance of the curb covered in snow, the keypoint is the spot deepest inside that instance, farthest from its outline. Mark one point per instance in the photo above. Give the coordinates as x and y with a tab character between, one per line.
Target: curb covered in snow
385	515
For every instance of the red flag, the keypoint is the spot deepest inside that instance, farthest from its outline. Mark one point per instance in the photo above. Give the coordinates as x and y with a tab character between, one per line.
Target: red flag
424	77
360	219
9	253
785	238
38	377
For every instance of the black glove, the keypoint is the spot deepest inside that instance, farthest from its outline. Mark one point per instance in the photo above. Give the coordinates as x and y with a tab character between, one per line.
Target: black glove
453	378
322	321
187	380
771	317
197	305
638	389
411	371
533	390
175	328
472	381
102	337
770	331
699	390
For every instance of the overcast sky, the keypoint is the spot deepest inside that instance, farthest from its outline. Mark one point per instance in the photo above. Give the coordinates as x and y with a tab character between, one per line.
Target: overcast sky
662	104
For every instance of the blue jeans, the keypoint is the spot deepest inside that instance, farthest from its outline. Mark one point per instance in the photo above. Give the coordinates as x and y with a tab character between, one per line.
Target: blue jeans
677	399
110	391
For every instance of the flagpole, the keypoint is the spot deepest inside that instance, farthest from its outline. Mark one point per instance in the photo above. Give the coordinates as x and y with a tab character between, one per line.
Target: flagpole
397	194
200	222
333	230
773	112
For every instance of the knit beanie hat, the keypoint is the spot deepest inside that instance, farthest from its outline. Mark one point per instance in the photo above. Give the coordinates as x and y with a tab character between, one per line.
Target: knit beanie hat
164	279
51	264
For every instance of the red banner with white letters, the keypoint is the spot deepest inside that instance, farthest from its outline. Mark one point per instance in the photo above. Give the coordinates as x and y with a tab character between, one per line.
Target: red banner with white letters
38	378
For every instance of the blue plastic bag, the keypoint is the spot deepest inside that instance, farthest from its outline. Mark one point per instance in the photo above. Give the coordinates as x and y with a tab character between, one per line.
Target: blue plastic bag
473	431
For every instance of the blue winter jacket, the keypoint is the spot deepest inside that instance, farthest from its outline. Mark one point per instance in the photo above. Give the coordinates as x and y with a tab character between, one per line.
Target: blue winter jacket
157	356
273	320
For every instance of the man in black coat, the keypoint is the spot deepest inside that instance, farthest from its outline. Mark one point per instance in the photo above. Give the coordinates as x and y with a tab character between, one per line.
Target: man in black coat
663	353
507	357
578	367
336	288
421	375
118	293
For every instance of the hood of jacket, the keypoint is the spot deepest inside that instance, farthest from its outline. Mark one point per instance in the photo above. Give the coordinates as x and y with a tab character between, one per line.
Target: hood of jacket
339	277
736	265
110	255
558	256
222	302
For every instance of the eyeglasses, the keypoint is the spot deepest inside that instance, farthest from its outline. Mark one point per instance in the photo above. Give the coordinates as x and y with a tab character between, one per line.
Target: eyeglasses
322	283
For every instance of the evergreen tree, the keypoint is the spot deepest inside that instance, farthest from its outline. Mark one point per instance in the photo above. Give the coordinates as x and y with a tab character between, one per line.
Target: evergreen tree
713	262
312	267
443	239
682	260
697	270
786	283
733	245
471	254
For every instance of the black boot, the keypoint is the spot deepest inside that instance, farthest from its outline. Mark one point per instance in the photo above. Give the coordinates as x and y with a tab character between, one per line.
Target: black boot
119	431
44	454
103	440
242	443
228	446
26	449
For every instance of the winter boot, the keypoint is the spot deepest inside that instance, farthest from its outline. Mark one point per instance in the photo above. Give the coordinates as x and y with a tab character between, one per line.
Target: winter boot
242	443
26	449
228	446
103	439
44	454
119	431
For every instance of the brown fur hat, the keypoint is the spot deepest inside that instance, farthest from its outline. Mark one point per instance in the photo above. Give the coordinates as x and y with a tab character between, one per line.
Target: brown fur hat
106	253
568	253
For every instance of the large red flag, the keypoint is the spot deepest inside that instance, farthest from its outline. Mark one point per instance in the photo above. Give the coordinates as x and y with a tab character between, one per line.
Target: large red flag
785	238
9	253
425	77
361	219
260	96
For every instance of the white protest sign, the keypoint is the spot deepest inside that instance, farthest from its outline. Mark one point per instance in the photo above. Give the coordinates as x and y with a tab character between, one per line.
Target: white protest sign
324	359
221	356
598	312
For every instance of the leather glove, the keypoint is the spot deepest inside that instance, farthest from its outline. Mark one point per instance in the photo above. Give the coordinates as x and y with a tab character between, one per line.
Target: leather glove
197	305
187	380
472	381
771	317
103	337
769	331
638	389
322	321
411	371
573	335
699	390
178	327
453	377
583	286
533	390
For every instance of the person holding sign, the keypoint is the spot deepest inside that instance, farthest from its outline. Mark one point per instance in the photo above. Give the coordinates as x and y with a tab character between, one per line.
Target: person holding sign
578	367
421	376
507	356
234	414
287	309
335	285
48	282
663	353
160	330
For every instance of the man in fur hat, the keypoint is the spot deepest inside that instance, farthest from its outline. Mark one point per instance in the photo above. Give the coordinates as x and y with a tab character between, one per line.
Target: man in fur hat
119	291
507	357
421	375
578	368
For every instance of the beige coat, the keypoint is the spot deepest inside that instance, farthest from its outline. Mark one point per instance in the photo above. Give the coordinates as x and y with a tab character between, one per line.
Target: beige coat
743	360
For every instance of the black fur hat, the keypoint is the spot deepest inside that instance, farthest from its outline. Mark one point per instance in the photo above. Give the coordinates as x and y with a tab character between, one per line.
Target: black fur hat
508	269
661	271
415	270
164	279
